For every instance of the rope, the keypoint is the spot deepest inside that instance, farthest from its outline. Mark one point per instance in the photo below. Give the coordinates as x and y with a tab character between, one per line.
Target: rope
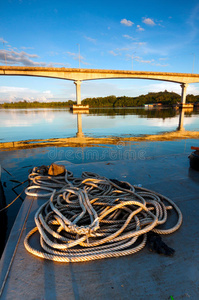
92	217
15	199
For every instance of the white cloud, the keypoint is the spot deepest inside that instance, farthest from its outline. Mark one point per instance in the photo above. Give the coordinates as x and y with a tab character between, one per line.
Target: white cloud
123	49
160	65
131	56
172	87
114	53
3	41
12	93
26	48
140	43
163	58
129	37
148	21
139	28
145	61
126	22
11	57
76	56
23	58
90	39
151	61
131	87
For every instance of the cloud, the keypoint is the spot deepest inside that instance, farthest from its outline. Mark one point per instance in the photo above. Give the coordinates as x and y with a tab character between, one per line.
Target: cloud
53	53
145	61
139	28
12	93
26	48
3	41
140	43
23	58
148	21
163	58
126	22
172	87
114	53
160	65
129	37
131	56
76	56
90	39
12	56
124	49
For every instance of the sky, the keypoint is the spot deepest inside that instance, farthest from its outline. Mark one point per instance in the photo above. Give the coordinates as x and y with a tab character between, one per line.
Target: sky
120	35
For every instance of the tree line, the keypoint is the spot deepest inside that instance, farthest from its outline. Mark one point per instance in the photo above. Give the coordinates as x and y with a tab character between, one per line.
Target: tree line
37	104
166	98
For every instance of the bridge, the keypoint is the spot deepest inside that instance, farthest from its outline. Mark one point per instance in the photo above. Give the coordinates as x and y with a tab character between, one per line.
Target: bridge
79	75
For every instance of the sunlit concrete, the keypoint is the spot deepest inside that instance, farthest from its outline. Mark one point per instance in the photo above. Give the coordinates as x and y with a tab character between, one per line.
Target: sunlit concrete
79	108
89	74
78	91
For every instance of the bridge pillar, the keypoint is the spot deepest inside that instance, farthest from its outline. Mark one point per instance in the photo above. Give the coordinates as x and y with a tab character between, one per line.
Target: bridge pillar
78	91
184	94
78	106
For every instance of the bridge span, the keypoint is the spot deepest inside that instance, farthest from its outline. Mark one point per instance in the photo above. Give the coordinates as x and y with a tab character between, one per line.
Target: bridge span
79	75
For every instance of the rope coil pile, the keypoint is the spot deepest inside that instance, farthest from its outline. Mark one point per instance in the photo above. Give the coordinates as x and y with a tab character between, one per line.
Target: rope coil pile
92	217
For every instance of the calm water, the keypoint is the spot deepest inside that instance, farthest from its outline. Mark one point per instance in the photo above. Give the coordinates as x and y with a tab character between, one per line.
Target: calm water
34	124
25	124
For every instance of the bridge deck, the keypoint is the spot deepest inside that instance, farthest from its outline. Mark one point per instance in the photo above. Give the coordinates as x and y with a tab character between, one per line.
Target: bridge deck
90	74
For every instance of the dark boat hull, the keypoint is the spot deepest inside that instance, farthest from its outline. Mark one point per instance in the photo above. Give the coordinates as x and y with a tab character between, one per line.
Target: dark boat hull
3	219
194	160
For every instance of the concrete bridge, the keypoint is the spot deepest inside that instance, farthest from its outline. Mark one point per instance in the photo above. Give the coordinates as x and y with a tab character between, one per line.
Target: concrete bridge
79	75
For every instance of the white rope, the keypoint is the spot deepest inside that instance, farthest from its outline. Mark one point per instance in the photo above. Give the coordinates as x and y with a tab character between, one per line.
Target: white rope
92	217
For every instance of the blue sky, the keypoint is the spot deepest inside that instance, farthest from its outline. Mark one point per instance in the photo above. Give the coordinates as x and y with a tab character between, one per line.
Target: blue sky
146	36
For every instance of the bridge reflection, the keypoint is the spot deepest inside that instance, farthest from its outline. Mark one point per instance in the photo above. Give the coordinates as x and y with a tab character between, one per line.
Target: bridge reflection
82	140
80	133
181	120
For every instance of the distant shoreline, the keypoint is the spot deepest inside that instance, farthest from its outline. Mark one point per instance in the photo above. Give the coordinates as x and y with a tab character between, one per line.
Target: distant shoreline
161	99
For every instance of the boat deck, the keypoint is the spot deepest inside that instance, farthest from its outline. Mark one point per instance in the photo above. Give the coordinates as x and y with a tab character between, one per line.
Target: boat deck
144	275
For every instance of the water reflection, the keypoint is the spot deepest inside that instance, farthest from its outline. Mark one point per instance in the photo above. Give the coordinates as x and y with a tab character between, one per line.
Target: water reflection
16	125
79	133
83	131
181	120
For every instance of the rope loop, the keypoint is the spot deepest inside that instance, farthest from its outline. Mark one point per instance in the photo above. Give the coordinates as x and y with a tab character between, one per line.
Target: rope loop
93	217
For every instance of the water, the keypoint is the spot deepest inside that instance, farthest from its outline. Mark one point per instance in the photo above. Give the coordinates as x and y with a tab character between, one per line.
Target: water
25	124
48	135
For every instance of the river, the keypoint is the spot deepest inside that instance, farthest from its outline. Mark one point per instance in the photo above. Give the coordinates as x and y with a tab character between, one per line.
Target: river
34	137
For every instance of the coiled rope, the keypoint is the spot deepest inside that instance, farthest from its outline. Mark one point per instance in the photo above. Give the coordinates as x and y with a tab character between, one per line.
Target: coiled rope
92	217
